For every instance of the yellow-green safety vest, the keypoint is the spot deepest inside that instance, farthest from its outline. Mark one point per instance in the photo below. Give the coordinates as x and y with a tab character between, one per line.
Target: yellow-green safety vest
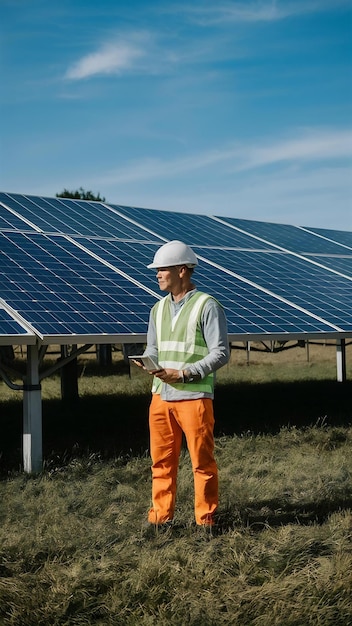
180	340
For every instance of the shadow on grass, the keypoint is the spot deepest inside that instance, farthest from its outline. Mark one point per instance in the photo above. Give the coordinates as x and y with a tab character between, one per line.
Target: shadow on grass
270	513
267	407
117	425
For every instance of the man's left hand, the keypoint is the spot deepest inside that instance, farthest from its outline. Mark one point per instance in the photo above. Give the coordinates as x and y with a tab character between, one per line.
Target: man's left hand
168	375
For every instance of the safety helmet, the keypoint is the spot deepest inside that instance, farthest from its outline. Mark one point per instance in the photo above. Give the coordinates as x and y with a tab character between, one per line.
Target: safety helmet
174	253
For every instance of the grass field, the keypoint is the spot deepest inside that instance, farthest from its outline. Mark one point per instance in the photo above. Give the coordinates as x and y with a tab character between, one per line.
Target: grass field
72	546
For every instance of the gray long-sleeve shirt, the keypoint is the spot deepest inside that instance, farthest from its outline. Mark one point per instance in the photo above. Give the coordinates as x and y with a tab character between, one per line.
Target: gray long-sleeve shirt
214	329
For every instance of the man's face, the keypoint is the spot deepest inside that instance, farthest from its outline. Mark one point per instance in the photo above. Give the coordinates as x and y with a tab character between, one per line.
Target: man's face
168	278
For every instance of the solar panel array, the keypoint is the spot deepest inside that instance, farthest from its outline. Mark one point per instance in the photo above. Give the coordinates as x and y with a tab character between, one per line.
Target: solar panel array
74	271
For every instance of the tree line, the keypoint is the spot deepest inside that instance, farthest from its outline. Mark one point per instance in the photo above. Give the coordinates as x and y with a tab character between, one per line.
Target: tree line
80	194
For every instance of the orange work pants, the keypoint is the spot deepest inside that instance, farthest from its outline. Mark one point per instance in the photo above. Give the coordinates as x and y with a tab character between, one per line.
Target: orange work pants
167	422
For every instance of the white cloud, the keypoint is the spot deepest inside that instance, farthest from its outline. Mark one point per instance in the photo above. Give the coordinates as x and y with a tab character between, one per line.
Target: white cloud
304	180
309	146
260	11
152	168
139	51
155	52
111	58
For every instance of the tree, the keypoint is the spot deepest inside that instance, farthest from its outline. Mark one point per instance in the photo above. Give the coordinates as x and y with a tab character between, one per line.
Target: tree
80	194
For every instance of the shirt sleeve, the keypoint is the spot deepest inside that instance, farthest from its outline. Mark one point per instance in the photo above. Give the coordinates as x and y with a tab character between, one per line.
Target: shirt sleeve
214	328
152	347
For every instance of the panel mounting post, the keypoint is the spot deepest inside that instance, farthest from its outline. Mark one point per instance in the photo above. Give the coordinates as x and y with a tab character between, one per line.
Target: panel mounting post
32	414
341	360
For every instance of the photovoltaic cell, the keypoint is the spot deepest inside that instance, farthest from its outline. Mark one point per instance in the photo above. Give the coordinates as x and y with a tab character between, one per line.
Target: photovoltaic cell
73	217
61	290
252	311
340	236
9	326
321	292
192	229
9	221
339	263
288	237
130	257
248	309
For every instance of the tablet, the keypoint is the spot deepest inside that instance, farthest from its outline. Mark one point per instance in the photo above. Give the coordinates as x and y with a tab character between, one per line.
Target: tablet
148	362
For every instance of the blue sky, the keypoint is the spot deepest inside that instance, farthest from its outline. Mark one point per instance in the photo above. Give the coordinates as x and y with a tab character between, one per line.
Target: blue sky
239	108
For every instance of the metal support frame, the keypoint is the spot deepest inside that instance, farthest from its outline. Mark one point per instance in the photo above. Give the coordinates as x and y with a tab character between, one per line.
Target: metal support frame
32	398
64	360
8	381
248	350
32	403
32	414
341	360
104	354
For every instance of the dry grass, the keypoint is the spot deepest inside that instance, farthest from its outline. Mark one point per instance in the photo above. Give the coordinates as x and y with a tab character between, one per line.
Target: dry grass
290	363
72	549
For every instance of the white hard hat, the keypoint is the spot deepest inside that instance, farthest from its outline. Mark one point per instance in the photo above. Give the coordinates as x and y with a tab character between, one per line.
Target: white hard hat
174	253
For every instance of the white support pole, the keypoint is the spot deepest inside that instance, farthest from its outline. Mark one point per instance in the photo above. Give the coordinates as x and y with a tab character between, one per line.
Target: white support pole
32	414
248	349
341	360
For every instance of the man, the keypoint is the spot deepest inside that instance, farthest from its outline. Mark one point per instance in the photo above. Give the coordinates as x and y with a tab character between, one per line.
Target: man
187	335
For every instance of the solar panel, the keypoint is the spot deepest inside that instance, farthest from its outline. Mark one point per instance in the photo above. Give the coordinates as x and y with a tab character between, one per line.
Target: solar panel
318	291
61	290
130	257
87	275
248	309
194	229
340	236
11	332
286	236
10	221
340	263
73	217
